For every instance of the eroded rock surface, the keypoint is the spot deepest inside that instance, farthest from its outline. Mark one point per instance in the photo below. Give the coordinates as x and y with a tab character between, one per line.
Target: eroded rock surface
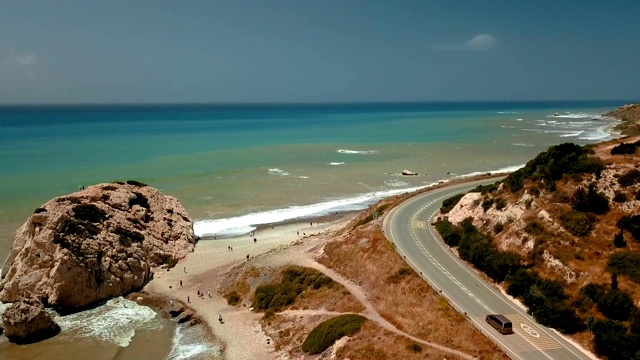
95	244
26	321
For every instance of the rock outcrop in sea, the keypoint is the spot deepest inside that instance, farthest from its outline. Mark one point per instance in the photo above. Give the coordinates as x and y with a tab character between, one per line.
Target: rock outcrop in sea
95	244
26	321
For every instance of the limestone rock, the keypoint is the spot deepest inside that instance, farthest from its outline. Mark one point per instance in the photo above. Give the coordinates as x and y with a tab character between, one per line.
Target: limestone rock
95	244
26	322
409	173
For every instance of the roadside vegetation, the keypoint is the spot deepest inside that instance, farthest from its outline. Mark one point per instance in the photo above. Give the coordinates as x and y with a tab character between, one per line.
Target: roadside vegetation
327	332
590	228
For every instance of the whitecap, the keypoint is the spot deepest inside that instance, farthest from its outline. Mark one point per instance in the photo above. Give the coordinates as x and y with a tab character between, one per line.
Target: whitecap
572	134
357	152
335	163
395	183
276	171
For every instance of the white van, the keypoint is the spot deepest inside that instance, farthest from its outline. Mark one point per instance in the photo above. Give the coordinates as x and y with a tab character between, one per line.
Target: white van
500	323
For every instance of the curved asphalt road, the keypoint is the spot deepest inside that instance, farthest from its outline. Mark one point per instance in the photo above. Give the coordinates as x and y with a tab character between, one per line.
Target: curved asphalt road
408	226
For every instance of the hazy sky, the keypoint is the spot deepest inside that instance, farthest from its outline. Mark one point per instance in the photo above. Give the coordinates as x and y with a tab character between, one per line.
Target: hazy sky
56	51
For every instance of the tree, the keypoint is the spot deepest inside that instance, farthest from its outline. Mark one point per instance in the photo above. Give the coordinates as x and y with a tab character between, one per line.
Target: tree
618	240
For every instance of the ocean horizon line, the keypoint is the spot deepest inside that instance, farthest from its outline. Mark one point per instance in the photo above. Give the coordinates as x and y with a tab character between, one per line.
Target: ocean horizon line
314	103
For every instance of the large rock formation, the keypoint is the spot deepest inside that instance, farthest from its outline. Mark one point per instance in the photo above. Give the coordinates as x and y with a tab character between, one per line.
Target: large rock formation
26	321
95	244
630	116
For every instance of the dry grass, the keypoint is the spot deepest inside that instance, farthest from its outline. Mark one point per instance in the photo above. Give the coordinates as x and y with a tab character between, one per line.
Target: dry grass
368	259
376	343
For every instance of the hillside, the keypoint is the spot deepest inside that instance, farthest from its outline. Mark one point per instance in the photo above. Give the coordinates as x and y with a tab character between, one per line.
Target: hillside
630	116
562	234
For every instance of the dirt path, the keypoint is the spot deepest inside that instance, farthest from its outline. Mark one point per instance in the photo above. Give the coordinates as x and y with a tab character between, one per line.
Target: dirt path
369	312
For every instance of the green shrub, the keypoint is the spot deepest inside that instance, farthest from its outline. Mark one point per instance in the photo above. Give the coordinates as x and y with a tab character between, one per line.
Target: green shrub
89	212
616	305
497	228
500	203
589	200
295	280
487	203
627	263
450	233
136	183
625	149
269	314
613	341
327	332
554	163
233	298
486	189
127	237
578	223
449	203
39	210
534	227
477	248
109	187
629	178
171	262
631	224
414	347
619	196
618	240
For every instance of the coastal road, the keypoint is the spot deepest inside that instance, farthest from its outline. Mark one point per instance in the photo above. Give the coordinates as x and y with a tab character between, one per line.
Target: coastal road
409	227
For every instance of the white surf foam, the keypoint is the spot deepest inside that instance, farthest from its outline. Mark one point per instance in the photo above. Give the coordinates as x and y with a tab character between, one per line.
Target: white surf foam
115	322
395	183
240	225
508	169
357	152
335	163
183	347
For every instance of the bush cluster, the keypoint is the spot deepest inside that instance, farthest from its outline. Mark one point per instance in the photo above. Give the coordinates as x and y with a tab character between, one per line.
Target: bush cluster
478	248
578	223
625	149
295	280
449	203
589	200
328	331
627	263
89	212
630	224
551	165
233	298
629	178
546	300
614	304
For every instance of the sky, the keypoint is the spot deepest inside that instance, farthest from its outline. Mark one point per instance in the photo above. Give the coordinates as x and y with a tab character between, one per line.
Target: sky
272	51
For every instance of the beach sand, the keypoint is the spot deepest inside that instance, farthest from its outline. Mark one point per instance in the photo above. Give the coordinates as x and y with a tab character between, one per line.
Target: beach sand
240	336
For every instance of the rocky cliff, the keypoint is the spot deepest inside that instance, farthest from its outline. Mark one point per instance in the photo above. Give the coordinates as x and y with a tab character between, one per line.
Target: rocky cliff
95	244
630	116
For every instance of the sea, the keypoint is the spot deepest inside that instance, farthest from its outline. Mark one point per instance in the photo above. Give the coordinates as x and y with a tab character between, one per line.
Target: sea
238	166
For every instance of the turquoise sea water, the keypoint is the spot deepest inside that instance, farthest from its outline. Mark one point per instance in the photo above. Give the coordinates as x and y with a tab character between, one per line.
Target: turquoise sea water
237	166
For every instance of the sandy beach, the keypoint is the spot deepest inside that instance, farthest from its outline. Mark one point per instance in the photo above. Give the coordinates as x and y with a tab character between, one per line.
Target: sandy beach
240	336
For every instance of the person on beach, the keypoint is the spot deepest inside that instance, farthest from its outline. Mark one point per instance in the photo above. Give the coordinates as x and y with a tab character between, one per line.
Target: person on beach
298	233
188	300
209	294
185	269
180	283
255	240
247	257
